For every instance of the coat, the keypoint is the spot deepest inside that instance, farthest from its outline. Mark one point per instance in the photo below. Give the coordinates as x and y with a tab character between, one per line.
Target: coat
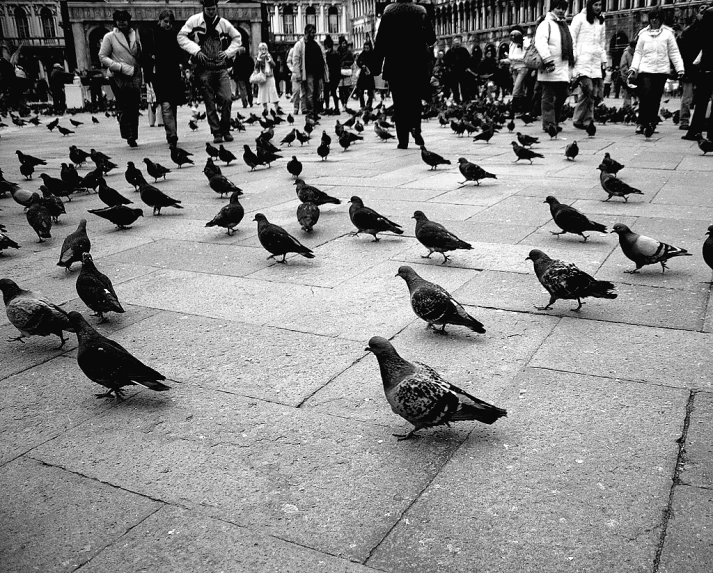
589	45
299	65
549	44
119	55
162	65
655	51
192	38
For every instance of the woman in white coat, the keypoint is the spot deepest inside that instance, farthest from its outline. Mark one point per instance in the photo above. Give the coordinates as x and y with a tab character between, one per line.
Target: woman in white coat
554	44
588	35
655	50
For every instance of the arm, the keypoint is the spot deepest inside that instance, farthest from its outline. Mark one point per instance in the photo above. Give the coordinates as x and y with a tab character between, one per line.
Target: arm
288	61
675	54
603	44
184	41
105	53
638	52
542	41
236	41
297	62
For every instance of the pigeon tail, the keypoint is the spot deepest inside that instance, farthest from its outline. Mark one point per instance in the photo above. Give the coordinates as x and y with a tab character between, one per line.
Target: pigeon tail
153	385
601	289
480	411
598	227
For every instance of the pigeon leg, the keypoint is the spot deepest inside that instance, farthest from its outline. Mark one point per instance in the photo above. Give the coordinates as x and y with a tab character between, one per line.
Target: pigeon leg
549	304
402	437
428	256
62	339
625	199
375	238
445	258
577	309
102	318
283	261
558	234
585	237
663	267
17	339
636	270
443	329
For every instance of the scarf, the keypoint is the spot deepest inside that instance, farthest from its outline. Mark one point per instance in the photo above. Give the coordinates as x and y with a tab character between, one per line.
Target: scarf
567	47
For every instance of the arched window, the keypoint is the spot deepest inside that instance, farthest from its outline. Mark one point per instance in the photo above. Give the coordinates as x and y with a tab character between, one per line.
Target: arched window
333	20
21	23
288	20
47	23
311	16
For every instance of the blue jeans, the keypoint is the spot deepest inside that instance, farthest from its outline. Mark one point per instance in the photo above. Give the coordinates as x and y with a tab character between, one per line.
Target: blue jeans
311	91
591	96
686	101
217	95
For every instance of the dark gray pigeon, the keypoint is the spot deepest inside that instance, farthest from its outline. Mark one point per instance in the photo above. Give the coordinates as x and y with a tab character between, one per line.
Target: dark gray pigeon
157	199
310	193
615	187
39	218
645	250
472	172
229	216
708	247
571	151
570	220
432	159
366	220
277	241
611	165
435	305
6	242
109	364
524	153
95	289
418	394
436	238
565	281
121	215
307	216
74	245
224	186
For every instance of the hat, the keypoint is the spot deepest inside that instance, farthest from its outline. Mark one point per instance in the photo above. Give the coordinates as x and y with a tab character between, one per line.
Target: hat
58	66
121	15
207	3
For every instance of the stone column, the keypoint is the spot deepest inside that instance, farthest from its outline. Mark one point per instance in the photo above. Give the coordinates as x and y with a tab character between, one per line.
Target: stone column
277	21
81	49
299	27
343	29
321	25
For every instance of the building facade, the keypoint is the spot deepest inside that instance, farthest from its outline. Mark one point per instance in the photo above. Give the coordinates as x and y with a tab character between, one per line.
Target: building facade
288	20
35	28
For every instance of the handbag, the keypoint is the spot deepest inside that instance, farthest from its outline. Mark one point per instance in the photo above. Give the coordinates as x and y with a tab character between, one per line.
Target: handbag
532	58
257	77
346	72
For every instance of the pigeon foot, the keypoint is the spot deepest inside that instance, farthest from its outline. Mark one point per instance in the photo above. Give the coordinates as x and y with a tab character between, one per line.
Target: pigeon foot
632	271
402	437
548	307
17	339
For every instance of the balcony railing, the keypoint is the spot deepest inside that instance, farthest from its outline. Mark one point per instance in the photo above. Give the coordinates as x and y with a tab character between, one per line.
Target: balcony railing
55	42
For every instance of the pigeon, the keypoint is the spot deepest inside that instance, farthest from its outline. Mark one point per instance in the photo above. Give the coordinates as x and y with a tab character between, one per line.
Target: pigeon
52	124
527	140
570	220
472	172
705	145
644	250
432	159
53	203
383	134
571	151
69	175
307	216
98	157
64	131
290	119
648	131
133	175
109	364
212	151
436	238
591	129
229	216
157	199
39	217
523	153
552	131
95	120
211	169
511	126
325	139
418	394
95	289
221	184
192	124
565	281
74	245
309	193
21	196
323	150
344	141
289	138
250	159
368	221
27	169
110	196
77	156
267	157
6	242
180	156
225	155
277	241
302	137
708	247
29	159
611	165
7	186
294	167
56	186
434	304
75	123
156	170
91	180
121	215
32	313
486	135
615	187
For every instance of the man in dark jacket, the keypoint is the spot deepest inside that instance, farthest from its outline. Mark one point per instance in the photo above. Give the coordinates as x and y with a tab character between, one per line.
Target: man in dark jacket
58	78
689	44
457	61
402	48
242	69
704	81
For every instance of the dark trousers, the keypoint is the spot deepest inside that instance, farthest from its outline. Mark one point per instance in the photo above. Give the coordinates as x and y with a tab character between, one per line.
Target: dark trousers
59	99
370	98
311	89
245	92
330	90
407	109
554	95
168	113
460	87
704	90
218	99
127	91
650	91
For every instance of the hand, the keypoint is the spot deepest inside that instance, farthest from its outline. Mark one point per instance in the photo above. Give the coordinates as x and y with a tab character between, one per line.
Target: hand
680	75
201	57
550	67
222	55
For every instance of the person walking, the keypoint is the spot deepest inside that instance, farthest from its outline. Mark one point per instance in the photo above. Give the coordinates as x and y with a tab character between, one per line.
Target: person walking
334	63
518	69
704	82
163	72
554	43
243	67
365	81
655	50
607	82
403	52
267	90
616	81
458	60
296	91
690	44
212	41
590	56
309	67
120	52
624	65
58	78
346	81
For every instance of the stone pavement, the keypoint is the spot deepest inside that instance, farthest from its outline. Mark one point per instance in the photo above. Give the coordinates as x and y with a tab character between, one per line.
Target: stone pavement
273	451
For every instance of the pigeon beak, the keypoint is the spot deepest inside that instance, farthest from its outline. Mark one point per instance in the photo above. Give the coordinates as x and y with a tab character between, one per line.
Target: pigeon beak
612	231
367	349
528	259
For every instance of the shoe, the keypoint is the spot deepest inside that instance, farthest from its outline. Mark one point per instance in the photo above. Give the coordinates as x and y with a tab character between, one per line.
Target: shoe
132	143
639	129
402	146
228	137
683	127
218	138
691	137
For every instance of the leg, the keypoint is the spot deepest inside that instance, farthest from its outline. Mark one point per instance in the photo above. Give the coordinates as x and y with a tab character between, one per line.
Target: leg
548	305
561	92
582	112
704	89
686	101
152	115
224	100
408	436
168	112
548	104
208	88
306	88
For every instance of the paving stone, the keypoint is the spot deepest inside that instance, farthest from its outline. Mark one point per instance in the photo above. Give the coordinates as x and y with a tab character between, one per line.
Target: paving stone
482	364
562	485
689	535
697	468
174	539
630	352
266	467
636	304
619	210
56	521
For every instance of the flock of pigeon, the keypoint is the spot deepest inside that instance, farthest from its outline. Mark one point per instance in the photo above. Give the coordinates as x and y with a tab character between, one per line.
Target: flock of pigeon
415	391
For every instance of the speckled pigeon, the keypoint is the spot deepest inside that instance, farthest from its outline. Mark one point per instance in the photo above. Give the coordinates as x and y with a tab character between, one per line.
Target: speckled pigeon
432	159
436	238
472	172
74	245
307	216
312	194
644	250
366	220
615	187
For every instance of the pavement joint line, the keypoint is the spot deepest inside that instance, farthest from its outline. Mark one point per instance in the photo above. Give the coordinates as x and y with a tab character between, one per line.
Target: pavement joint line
331	379
675	479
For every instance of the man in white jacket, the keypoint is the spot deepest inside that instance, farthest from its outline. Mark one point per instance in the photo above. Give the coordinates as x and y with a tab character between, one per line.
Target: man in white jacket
212	41
296	92
588	36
